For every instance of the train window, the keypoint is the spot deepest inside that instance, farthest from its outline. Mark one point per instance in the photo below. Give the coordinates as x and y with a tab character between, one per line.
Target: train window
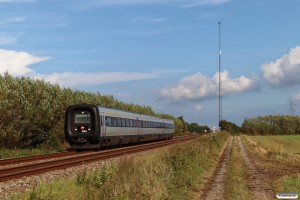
108	121
123	122
82	118
114	121
119	122
127	123
131	123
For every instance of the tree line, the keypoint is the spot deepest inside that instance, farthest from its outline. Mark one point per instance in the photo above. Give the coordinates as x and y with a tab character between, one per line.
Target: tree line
271	125
32	111
265	125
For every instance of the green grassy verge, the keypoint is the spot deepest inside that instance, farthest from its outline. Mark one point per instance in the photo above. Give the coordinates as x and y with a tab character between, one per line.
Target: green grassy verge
288	184
170	173
280	154
286	143
236	184
14	153
275	147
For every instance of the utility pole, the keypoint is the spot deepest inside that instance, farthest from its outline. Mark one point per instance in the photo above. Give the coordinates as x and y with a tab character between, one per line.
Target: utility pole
220	85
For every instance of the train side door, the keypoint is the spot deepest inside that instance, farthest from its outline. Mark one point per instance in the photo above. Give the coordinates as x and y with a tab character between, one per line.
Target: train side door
103	123
139	126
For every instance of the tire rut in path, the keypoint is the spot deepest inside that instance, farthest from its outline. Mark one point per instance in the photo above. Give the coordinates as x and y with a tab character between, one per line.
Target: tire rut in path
217	187
259	182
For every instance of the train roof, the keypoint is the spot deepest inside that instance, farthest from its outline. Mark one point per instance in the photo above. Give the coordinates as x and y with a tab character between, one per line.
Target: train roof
132	114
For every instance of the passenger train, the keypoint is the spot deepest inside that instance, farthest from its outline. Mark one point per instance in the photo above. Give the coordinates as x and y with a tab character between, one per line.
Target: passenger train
91	127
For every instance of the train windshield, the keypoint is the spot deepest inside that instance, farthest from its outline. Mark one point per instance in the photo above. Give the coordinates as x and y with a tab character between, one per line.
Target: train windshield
83	118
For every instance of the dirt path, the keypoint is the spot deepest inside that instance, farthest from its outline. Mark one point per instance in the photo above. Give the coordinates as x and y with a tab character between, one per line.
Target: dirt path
217	187
259	182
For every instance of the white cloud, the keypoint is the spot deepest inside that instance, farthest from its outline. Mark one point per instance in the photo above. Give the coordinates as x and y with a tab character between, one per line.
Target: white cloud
284	71
199	107
17	1
13	20
205	2
6	40
16	63
145	18
186	4
296	97
71	79
200	87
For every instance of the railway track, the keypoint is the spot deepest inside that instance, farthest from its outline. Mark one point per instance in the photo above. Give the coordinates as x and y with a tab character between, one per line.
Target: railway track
14	161
70	159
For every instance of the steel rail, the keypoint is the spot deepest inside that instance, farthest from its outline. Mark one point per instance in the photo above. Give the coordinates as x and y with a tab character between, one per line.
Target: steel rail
18	160
38	168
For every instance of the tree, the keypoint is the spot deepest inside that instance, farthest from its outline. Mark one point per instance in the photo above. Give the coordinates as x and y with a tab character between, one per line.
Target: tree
229	126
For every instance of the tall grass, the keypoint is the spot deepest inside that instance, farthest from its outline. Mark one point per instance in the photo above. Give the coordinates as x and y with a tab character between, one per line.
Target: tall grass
32	111
171	173
276	147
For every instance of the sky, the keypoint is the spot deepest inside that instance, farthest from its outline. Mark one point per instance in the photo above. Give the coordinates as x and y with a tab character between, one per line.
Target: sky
162	53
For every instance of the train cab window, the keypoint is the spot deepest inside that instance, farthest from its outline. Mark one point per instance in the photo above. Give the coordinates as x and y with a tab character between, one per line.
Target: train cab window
82	118
83	121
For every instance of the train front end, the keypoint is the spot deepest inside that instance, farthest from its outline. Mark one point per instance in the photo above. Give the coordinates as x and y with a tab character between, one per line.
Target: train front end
82	126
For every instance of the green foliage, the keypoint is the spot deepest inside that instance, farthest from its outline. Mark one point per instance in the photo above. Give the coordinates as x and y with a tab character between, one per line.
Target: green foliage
32	111
229	126
271	125
196	128
180	125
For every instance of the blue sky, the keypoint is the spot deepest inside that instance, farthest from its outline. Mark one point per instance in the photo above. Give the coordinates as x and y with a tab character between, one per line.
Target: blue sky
161	53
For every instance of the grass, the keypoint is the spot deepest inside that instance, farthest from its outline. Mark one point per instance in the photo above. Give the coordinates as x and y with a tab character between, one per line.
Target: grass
236	184
170	173
285	147
13	153
278	154
288	184
287	143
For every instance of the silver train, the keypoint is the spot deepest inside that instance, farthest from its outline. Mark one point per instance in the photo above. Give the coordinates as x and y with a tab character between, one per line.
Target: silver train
91	126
